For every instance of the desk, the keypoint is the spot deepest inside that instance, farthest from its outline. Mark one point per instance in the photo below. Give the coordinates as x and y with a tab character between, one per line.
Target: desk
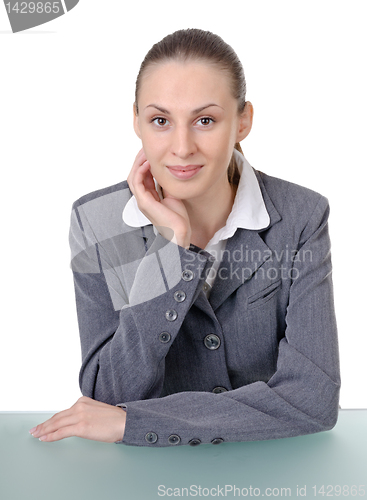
78	469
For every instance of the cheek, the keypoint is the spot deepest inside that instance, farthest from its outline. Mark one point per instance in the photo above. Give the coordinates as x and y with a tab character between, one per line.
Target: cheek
153	147
223	139
221	149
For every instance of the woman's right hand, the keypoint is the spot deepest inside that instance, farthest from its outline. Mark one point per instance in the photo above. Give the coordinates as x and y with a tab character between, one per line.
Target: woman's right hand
169	215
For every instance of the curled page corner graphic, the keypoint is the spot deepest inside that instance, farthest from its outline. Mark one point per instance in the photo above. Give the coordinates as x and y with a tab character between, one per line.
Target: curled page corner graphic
28	14
70	4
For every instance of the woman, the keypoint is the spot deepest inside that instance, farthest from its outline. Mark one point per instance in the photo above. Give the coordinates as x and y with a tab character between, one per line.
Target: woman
203	286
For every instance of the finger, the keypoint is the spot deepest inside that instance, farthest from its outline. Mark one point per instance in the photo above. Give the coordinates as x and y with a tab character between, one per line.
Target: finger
62	433
62	419
141	172
139	160
150	184
148	180
84	400
55	419
144	184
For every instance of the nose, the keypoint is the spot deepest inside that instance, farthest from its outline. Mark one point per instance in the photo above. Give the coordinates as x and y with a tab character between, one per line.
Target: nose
183	142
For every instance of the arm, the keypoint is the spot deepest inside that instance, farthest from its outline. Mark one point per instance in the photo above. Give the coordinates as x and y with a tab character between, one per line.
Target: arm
131	301
302	395
119	344
123	354
151	289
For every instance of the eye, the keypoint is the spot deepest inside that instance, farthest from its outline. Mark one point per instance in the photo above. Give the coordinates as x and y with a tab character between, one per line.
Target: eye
205	121
161	122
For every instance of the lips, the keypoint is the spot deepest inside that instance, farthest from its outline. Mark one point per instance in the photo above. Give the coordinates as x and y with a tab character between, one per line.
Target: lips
184	172
181	168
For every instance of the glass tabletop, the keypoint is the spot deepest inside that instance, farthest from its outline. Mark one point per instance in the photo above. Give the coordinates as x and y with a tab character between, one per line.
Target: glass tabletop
332	463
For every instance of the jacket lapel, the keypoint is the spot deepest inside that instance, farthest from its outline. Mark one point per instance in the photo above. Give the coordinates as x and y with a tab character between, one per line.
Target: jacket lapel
244	254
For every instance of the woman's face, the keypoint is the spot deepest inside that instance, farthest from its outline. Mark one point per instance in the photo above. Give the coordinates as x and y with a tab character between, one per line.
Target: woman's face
188	123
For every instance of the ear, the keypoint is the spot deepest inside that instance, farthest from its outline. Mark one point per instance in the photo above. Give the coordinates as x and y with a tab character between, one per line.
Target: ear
136	122
245	122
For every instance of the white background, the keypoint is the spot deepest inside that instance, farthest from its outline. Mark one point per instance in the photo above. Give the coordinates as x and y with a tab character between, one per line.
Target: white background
66	93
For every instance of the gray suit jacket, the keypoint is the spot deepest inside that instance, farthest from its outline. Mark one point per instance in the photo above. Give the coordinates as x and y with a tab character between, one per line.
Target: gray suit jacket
257	360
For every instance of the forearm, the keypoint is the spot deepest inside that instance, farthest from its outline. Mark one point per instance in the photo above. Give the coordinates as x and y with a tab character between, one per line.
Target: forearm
299	399
254	412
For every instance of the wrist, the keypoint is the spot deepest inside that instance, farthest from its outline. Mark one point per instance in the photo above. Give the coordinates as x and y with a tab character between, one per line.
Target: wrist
182	240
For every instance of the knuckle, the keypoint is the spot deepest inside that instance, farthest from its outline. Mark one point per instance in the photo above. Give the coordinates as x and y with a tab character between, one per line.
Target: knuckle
130	183
80	409
57	434
83	399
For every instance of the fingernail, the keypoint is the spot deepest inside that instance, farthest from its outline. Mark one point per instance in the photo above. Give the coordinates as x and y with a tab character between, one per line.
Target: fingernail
32	430
42	438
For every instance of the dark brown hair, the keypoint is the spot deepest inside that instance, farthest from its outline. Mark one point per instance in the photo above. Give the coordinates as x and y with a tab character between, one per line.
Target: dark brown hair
194	44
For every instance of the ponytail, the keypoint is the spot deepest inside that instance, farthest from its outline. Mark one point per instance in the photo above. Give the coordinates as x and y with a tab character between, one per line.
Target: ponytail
232	171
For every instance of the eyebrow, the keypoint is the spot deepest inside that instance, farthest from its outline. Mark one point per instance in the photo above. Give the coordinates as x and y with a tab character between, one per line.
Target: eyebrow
194	112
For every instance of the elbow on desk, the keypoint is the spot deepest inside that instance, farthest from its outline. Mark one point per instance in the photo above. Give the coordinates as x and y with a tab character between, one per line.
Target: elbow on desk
329	413
331	421
321	408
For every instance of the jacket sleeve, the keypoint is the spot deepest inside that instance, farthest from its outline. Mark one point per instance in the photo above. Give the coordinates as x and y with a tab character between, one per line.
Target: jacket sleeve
300	398
123	354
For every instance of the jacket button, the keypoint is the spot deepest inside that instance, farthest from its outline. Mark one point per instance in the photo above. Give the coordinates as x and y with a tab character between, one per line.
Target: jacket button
217	441
164	337
187	275
179	296
174	439
171	315
219	389
212	342
151	437
194	442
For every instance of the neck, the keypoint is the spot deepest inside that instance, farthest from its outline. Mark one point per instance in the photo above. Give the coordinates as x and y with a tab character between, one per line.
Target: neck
209	212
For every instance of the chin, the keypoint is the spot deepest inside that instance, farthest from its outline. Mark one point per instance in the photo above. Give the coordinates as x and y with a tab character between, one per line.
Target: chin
183	192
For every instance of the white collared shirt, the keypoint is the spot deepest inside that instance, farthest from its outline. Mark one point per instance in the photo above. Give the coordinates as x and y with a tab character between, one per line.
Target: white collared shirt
248	212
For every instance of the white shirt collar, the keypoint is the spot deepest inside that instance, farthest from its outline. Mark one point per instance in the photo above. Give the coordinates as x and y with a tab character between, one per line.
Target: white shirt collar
248	211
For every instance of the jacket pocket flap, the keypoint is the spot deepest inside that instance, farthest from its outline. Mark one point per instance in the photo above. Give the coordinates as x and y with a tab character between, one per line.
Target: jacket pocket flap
264	294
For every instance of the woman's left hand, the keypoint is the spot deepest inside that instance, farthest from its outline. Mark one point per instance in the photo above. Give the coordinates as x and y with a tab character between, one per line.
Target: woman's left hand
88	419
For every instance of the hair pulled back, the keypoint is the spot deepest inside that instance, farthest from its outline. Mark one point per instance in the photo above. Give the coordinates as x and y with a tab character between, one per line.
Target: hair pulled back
192	45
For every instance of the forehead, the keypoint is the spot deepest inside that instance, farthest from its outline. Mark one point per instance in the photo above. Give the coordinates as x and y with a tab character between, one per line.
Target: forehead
185	85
